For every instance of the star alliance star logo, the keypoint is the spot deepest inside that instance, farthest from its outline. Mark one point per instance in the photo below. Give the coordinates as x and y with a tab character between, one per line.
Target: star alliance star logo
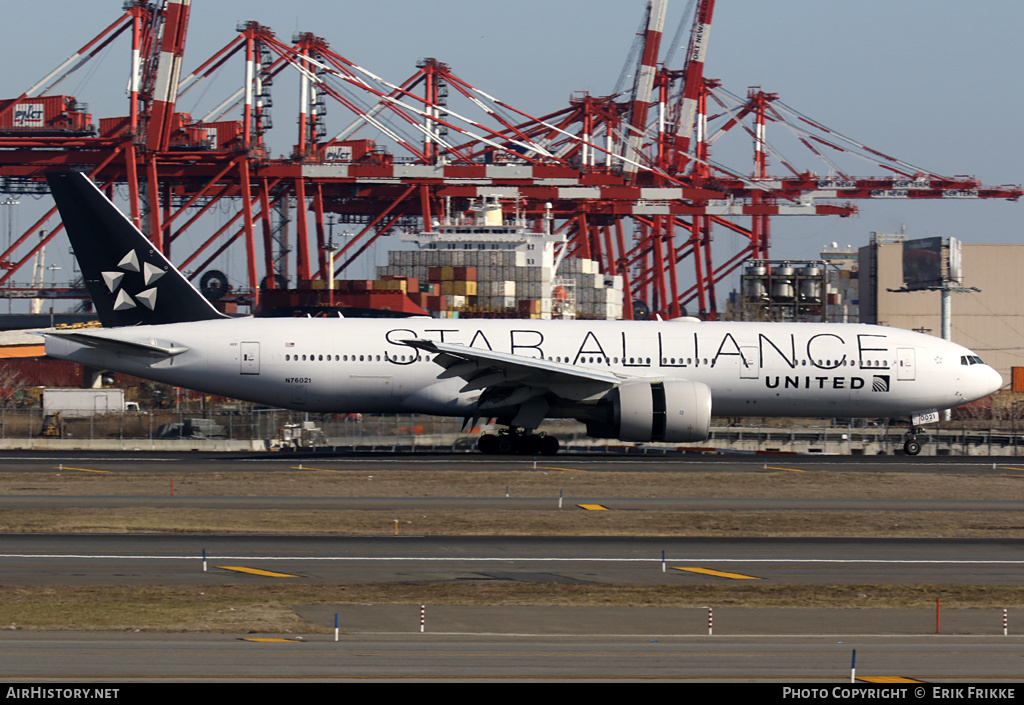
130	263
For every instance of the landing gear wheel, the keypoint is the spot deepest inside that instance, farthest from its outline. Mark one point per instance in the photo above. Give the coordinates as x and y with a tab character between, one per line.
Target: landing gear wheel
529	444
517	443
507	444
911	446
488	444
549	445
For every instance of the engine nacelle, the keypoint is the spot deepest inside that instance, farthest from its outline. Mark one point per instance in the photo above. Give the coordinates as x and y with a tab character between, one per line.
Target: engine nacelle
674	411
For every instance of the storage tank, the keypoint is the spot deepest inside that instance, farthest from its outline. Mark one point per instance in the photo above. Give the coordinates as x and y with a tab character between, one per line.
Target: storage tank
755	284
782	284
810	284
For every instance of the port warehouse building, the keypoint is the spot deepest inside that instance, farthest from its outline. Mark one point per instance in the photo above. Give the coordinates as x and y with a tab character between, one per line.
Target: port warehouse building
989	322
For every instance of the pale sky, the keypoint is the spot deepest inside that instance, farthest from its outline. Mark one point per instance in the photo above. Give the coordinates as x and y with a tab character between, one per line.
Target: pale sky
935	83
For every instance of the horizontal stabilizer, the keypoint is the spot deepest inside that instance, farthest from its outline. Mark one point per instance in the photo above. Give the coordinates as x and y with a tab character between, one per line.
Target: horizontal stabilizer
127	347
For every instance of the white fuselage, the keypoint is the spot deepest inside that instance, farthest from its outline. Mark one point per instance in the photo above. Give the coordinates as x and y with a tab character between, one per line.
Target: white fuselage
362	365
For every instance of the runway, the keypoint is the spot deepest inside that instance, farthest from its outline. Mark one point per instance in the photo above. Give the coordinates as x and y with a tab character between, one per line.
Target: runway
46	559
382	642
183	463
825	661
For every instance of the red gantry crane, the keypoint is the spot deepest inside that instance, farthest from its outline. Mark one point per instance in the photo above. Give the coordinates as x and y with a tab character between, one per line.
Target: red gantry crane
628	176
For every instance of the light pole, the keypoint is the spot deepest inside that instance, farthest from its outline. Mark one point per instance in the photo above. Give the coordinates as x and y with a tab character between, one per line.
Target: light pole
331	248
53	286
10	203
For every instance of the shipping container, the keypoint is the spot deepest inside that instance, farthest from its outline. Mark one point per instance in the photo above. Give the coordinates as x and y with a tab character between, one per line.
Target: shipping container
411	283
114	127
464	288
223	135
349	150
391	285
51	114
186	135
41	372
355	285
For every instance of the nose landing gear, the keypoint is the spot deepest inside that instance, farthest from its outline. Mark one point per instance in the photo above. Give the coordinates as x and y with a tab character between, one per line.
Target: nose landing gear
911	444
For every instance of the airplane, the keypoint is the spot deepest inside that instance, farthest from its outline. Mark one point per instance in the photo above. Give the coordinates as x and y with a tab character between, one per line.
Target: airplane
637	381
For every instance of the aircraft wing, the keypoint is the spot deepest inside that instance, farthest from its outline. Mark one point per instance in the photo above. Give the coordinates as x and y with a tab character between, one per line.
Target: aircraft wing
151	348
485	369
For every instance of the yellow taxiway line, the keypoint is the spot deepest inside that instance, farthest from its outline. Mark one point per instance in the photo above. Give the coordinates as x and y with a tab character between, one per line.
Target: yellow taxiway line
272	640
887	679
718	573
255	571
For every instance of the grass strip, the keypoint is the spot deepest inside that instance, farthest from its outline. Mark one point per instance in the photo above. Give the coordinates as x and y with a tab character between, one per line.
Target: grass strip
268	608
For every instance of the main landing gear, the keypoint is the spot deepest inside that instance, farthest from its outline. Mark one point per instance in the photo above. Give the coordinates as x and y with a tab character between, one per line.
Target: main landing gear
517	441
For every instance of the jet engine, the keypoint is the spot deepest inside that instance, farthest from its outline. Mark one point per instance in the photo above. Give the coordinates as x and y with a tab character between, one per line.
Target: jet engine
673	411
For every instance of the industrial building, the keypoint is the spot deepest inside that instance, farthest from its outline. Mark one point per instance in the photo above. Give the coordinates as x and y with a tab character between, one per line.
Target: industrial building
867	285
989	321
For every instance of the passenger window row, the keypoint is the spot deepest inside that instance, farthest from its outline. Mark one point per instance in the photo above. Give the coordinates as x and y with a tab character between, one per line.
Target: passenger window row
350	358
964	360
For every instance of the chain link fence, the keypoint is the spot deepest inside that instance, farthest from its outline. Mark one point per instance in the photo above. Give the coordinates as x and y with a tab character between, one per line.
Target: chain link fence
263	428
269	427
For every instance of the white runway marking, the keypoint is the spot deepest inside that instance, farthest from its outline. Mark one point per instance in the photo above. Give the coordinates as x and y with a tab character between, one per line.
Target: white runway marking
508	559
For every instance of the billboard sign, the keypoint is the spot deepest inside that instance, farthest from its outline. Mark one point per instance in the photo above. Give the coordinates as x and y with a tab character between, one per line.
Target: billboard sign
956	262
922	263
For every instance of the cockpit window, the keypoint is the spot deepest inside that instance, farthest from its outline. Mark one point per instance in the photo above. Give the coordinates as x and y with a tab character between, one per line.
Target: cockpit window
970	360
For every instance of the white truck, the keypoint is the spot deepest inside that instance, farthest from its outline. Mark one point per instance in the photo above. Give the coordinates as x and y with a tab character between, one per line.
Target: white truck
73	403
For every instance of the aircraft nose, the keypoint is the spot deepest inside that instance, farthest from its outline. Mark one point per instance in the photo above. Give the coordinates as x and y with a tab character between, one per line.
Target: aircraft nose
991	381
979	382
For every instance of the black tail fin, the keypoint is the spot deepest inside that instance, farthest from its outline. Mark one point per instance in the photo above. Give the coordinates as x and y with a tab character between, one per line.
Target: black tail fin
129	280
